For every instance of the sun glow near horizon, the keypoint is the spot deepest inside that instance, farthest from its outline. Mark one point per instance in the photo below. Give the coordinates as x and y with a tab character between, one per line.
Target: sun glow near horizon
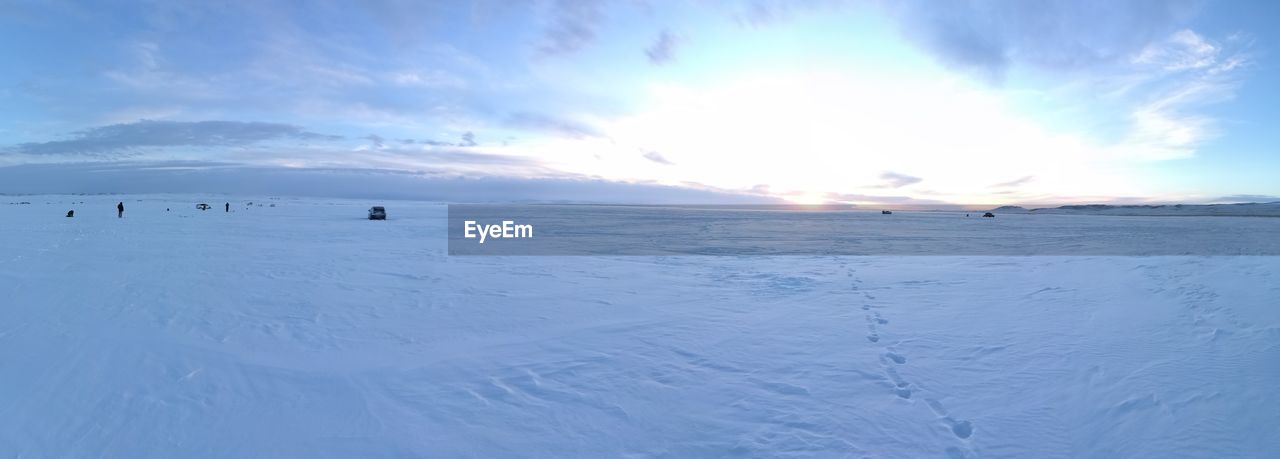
813	137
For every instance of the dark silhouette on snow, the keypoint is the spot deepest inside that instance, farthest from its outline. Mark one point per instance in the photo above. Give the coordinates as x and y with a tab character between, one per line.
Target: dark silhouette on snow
226	207
120	210
71	213
989	215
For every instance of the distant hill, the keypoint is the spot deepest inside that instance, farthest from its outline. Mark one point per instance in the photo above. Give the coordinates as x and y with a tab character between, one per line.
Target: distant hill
1250	209
1010	210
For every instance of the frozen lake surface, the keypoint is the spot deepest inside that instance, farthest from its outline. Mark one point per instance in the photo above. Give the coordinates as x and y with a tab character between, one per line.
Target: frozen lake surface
306	330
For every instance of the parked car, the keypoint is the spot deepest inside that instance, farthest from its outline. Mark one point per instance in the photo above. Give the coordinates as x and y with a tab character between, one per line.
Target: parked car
886	212
989	214
377	213
202	206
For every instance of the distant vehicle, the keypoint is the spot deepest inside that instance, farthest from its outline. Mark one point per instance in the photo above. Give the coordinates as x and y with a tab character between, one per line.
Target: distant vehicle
886	212
989	214
202	206
377	213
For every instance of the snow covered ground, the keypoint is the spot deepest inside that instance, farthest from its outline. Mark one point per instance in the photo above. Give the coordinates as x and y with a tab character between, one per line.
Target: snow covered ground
306	330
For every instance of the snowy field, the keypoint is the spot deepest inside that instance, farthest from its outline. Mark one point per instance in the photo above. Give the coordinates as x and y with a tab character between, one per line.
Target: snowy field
305	330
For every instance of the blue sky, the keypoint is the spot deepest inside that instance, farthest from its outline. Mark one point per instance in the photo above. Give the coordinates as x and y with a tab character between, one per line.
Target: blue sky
864	102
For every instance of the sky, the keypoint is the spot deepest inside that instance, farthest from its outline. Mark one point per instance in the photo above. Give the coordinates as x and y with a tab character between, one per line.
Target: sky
861	102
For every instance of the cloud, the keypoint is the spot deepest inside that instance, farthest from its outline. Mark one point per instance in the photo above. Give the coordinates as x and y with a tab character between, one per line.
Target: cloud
760	13
117	138
896	180
377	140
548	123
148	71
434	79
1138	55
663	49
459	158
1186	72
1184	50
342	182
657	158
986	38
1014	183
573	26
1238	198
468	139
139	113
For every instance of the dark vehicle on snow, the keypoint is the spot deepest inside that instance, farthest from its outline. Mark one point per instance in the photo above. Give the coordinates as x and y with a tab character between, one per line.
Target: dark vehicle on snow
377	213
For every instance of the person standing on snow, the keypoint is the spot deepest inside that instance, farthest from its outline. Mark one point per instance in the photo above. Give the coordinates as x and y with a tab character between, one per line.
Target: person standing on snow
227	207
120	210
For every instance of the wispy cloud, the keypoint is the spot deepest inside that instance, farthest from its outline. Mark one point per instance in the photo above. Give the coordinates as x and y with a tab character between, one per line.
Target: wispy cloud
123	138
454	158
572	26
657	158
663	49
1184	50
548	123
149	71
202	177
1141	55
896	180
428	79
467	139
1187	72
1014	183
986	38
759	13
1237	198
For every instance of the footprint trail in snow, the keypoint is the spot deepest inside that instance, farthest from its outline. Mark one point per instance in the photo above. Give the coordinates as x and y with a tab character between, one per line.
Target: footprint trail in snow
890	359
